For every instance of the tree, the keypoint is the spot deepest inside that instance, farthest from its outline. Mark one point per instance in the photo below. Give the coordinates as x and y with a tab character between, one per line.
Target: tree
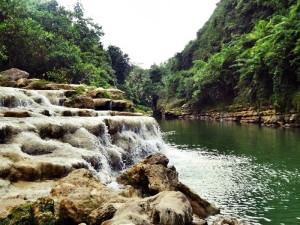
120	63
51	42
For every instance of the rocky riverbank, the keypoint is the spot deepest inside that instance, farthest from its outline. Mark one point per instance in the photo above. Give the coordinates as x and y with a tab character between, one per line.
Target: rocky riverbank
266	116
151	194
61	148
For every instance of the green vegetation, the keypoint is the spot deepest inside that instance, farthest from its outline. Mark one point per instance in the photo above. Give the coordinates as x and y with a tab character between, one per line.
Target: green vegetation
56	44
39	212
21	215
247	53
143	86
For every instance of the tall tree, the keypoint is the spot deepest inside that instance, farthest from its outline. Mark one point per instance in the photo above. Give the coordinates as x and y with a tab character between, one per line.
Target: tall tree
120	63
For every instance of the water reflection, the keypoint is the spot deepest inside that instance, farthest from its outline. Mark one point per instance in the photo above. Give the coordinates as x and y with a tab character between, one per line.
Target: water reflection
249	173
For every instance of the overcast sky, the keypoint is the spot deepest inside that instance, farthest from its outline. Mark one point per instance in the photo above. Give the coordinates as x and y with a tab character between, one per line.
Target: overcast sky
149	31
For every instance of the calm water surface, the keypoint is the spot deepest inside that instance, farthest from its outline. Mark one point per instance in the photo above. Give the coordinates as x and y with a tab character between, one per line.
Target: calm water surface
250	172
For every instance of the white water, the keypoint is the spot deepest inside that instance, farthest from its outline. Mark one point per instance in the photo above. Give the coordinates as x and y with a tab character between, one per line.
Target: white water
67	143
38	149
36	102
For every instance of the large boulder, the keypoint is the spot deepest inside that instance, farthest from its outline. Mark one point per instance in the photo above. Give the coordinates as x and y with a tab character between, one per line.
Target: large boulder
15	74
78	195
152	175
165	208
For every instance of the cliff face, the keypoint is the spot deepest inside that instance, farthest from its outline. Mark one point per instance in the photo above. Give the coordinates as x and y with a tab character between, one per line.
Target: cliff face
246	54
230	18
265	117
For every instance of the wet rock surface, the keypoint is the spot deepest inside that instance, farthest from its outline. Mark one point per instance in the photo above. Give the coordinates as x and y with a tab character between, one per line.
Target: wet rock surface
152	176
82	102
81	198
165	208
39	98
38	149
228	221
78	195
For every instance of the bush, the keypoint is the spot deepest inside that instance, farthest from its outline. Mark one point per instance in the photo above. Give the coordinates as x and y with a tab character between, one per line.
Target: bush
296	101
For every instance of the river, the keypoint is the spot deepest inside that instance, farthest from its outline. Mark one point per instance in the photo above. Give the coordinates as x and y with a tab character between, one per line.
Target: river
250	172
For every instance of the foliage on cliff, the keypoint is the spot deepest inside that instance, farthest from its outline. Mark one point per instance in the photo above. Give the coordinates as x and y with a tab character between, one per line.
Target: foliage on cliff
51	42
247	53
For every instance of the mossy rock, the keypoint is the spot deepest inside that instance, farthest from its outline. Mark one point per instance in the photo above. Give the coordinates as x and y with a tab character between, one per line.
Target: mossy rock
6	82
38	85
40	212
19	216
43	211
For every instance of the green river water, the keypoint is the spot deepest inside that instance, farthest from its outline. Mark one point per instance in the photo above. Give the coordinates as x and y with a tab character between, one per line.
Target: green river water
250	172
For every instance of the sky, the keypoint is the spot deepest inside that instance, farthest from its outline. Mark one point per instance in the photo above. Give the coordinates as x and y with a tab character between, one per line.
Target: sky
149	31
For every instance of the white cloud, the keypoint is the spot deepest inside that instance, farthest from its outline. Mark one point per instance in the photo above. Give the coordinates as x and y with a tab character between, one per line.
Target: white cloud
149	31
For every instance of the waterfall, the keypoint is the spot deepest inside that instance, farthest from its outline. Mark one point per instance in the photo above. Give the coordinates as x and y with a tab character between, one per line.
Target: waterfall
36	102
43	147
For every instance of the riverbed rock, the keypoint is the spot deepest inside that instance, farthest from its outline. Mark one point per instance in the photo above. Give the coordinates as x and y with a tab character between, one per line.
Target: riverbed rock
78	195
151	176
86	113
16	113
24	82
40	212
19	215
111	93
112	126
80	102
54	86
102	103
294	118
165	208
223	220
15	74
37	84
121	105
43	212
116	113
171	115
103	213
81	198
116	93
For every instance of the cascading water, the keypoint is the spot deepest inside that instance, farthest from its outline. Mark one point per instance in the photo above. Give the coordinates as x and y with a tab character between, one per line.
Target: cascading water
43	147
70	143
37	102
